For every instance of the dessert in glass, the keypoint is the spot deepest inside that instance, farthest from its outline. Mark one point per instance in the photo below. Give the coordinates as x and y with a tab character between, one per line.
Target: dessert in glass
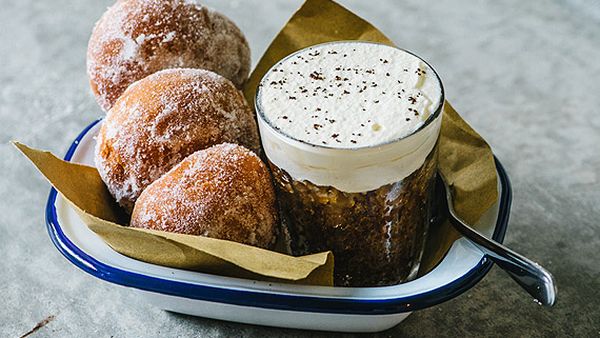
350	131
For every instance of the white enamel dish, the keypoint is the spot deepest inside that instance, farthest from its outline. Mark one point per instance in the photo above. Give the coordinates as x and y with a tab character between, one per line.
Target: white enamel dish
284	305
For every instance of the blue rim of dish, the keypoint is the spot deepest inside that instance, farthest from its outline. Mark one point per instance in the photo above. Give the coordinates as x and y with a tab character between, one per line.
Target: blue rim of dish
301	303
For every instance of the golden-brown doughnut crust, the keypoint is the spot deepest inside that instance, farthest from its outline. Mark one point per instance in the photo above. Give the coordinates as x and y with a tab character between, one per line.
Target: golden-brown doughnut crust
162	119
135	38
222	192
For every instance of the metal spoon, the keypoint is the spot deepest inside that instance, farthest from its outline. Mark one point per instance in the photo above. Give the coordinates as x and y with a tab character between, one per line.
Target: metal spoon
536	280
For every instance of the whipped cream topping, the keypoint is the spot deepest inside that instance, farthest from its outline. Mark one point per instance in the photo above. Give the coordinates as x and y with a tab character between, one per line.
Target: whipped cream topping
349	94
316	137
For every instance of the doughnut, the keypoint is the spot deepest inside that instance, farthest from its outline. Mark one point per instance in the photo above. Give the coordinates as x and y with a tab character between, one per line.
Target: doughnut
162	119
222	192
135	38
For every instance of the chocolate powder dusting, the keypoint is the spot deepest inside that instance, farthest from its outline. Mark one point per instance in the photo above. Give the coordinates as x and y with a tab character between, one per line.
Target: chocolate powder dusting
355	82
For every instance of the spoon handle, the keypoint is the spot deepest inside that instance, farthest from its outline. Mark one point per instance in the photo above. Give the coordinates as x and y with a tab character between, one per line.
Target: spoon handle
532	277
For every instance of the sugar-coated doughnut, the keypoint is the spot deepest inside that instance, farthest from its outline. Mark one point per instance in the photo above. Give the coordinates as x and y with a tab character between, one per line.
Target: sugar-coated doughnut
222	192
135	38
162	119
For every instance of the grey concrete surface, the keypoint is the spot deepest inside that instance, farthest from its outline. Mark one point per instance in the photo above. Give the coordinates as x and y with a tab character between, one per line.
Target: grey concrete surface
525	74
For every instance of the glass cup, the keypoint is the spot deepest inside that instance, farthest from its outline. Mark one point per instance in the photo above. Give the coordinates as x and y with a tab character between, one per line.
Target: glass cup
371	206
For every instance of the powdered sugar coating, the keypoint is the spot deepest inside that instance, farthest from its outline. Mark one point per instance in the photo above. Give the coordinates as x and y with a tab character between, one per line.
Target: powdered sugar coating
223	192
135	38
163	118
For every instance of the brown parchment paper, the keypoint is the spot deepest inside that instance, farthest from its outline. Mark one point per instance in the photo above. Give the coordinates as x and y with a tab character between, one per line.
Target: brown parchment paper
465	159
83	188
